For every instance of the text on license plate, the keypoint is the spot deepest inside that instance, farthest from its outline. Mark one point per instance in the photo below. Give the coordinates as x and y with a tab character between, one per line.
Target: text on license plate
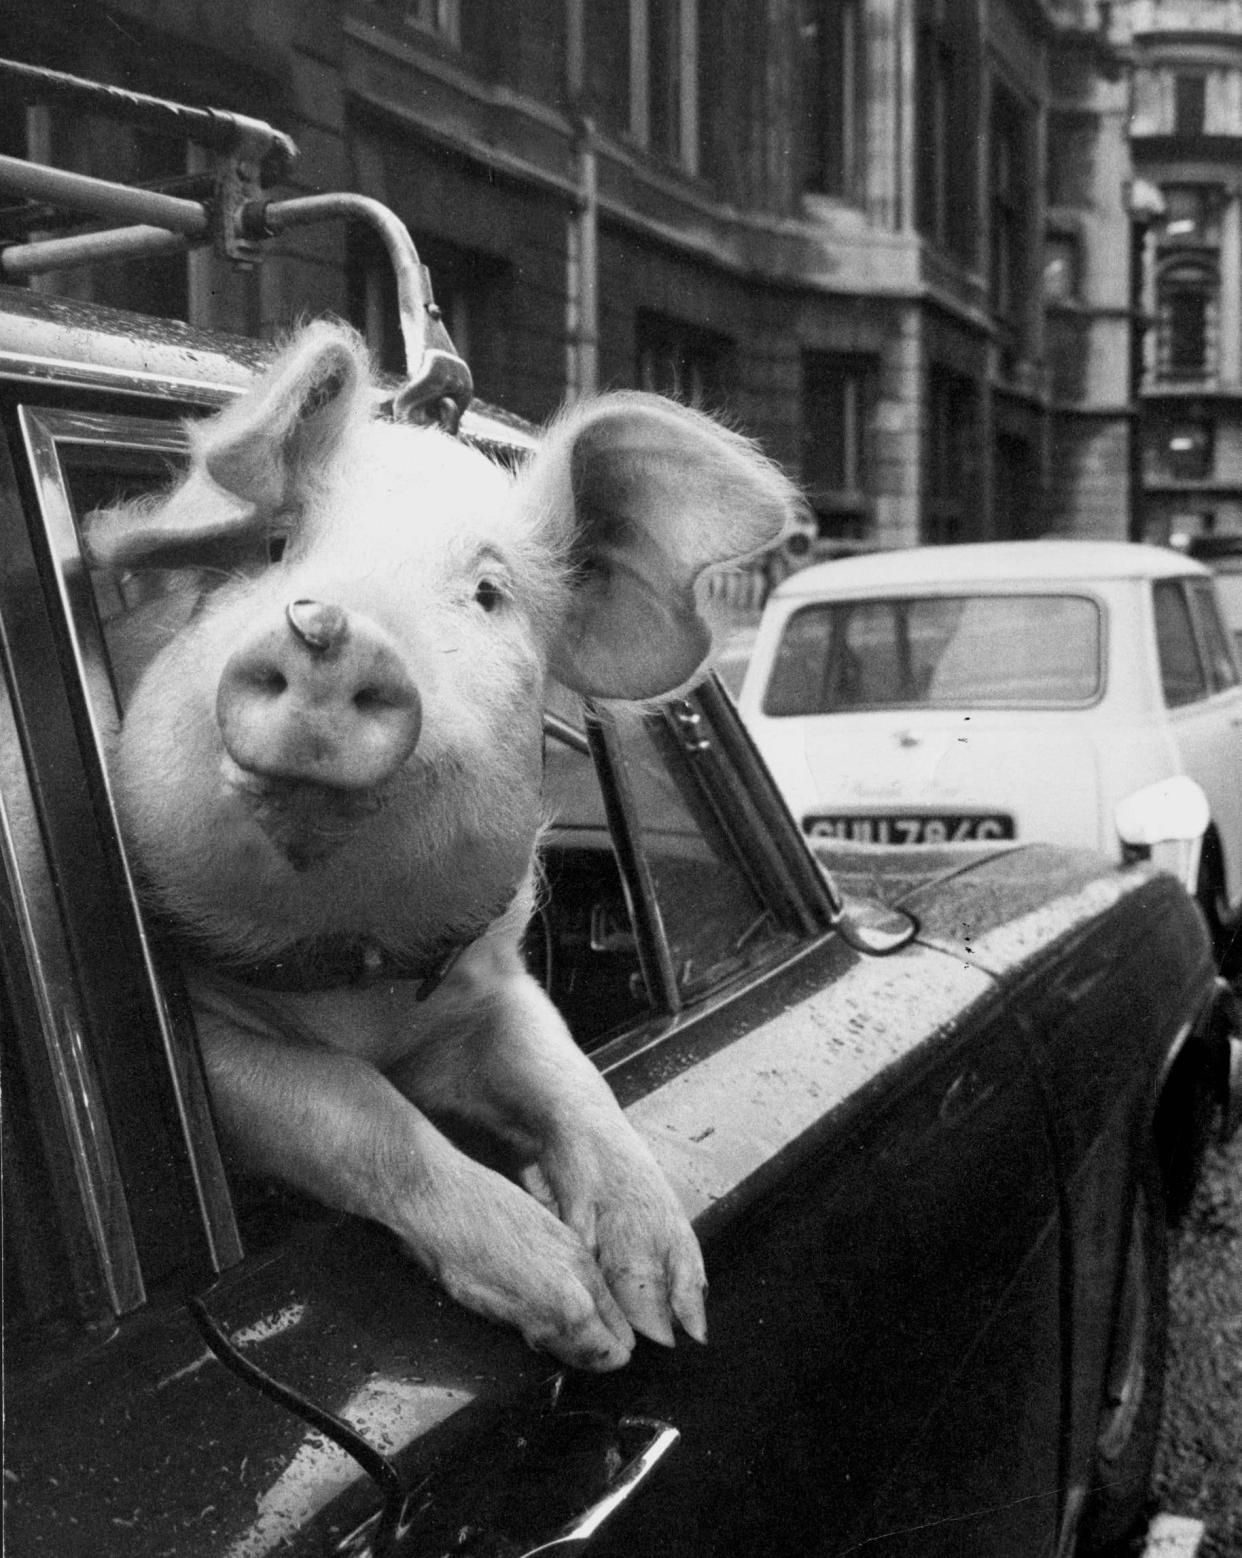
951	829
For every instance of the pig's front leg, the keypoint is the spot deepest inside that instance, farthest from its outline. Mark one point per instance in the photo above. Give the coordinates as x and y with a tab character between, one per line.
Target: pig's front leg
505	1059
330	1125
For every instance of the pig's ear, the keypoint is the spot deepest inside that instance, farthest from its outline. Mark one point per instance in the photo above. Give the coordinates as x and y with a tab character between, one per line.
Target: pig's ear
291	423
246	463
641	495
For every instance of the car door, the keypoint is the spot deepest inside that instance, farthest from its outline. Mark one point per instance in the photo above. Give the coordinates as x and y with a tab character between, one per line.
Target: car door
859	1139
864	1148
1200	682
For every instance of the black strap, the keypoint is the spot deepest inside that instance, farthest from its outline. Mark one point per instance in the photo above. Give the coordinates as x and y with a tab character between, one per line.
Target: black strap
329	963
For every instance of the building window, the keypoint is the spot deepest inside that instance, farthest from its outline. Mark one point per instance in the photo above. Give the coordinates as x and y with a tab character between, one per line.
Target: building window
608	29
681	360
442	18
952	455
1062	261
643	69
672	81
1015	483
1191	216
1071	160
1186	322
106	148
838	410
935	109
471	290
833	96
946	127
1010	197
1189	102
1186	449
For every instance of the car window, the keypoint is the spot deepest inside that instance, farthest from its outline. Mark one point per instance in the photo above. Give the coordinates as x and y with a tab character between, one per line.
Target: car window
1011	651
709	919
1181	670
133	1029
714	916
1221	663
713	919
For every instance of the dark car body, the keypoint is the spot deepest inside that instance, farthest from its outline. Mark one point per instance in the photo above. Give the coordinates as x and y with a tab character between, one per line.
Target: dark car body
913	1105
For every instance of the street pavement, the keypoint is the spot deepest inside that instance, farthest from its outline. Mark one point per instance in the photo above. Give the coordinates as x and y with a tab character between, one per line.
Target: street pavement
1199	1471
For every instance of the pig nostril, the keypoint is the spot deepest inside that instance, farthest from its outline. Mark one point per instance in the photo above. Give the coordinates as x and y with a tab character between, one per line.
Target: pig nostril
368	699
270	683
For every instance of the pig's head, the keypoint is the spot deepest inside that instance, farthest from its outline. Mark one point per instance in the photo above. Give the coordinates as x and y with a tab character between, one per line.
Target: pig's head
334	718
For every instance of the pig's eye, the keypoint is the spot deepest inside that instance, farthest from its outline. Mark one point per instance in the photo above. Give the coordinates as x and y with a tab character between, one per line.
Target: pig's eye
488	594
276	547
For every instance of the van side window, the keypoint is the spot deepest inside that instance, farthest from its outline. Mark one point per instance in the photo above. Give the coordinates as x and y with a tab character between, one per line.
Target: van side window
1222	667
1181	670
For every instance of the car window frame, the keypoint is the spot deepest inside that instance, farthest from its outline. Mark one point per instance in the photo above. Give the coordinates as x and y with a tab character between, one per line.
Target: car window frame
790	882
213	1241
65	1088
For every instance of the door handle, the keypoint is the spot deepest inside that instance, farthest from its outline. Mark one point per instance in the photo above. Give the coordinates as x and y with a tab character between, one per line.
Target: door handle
574	1536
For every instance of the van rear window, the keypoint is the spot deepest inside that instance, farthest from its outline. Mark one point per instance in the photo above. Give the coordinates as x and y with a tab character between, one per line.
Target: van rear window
943	651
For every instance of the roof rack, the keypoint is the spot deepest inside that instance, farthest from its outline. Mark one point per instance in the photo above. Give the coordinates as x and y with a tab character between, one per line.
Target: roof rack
236	218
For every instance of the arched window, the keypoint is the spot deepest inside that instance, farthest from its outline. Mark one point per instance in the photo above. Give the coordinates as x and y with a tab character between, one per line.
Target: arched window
1188	322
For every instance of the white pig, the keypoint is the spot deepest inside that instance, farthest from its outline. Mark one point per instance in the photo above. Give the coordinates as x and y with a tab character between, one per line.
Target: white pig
328	774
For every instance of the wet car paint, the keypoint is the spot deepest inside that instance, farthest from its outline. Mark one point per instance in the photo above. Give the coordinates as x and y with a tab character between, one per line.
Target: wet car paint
777	1129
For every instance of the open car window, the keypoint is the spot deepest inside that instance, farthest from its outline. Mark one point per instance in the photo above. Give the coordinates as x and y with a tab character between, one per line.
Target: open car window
132	1101
651	906
648	905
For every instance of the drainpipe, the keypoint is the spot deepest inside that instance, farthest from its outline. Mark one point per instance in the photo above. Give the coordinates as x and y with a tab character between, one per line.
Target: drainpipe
582	256
1144	207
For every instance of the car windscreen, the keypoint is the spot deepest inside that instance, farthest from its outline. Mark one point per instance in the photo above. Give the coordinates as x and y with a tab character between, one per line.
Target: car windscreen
938	651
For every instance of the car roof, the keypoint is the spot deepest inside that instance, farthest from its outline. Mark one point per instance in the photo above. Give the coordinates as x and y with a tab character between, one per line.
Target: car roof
62	340
986	563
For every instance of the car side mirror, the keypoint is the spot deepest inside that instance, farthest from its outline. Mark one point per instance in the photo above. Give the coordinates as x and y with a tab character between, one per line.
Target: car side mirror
1170	816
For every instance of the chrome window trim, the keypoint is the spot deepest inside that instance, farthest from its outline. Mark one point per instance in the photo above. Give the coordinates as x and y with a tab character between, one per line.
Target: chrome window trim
75	1084
43	431
30	371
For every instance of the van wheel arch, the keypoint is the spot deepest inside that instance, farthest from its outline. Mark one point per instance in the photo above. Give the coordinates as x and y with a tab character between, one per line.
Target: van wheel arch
1211	894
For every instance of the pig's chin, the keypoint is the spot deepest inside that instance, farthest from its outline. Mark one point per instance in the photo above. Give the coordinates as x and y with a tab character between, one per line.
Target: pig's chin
305	823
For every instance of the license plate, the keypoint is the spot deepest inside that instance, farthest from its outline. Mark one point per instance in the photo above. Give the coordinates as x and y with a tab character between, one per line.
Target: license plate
954	828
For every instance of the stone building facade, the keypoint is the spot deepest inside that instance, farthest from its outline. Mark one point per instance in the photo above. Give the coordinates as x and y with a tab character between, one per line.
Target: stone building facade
1187	141
890	238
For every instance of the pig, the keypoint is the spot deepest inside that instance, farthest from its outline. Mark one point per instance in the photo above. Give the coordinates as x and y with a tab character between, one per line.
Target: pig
328	776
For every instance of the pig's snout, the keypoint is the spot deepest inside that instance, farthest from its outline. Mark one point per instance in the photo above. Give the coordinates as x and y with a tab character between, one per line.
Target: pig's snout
319	697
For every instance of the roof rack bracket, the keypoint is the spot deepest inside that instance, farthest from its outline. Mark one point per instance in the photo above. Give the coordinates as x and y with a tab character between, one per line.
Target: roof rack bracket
438	385
237	219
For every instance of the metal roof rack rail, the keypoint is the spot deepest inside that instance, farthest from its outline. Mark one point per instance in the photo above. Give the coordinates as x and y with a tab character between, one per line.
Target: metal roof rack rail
236	218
